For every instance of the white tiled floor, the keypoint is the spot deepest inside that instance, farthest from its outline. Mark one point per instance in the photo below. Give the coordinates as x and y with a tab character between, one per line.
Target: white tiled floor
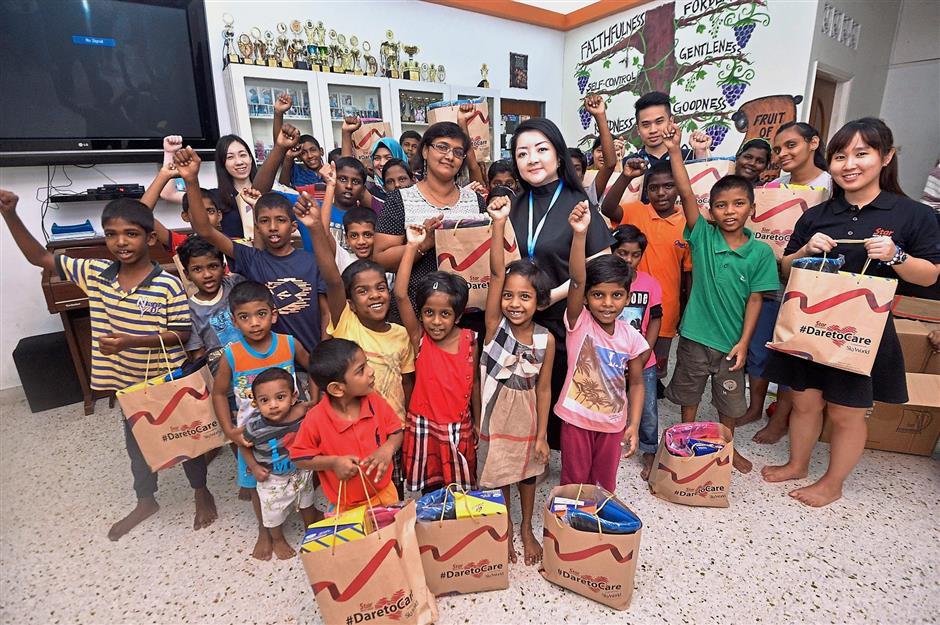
873	557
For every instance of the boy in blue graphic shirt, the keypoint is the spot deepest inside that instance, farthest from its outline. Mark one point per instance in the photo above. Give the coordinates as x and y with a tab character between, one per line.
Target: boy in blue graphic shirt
271	427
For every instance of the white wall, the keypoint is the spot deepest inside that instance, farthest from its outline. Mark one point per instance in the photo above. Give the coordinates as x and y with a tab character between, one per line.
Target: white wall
866	67
778	51
460	40
911	104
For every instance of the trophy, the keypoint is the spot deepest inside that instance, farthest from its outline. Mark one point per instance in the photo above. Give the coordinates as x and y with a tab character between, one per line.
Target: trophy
412	69
345	55
271	47
323	51
246	48
298	49
336	52
355	55
425	72
484	72
313	53
432	73
389	52
259	45
440	73
283	47
372	66
228	48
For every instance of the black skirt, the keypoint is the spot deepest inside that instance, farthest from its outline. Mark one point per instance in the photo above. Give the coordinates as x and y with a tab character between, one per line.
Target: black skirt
887	383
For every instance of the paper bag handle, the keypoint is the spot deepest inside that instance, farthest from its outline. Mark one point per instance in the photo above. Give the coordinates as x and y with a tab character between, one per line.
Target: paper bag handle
455	486
166	356
339	501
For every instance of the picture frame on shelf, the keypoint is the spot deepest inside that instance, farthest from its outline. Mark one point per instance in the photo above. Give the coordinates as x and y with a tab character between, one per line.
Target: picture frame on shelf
334	100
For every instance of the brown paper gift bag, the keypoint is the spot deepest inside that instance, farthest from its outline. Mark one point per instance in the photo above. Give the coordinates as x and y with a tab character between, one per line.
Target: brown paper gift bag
172	421
377	578
694	480
703	174
597	565
776	211
478	127
835	319
463	248
367	134
465	555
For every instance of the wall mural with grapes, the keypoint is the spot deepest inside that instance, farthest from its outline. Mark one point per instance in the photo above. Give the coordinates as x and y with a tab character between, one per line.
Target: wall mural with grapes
700	52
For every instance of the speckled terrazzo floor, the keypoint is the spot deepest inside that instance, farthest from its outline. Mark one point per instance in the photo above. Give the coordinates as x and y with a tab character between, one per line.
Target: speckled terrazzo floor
873	557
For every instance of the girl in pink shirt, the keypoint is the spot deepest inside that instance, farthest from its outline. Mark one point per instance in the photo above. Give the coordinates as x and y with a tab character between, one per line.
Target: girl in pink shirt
603	354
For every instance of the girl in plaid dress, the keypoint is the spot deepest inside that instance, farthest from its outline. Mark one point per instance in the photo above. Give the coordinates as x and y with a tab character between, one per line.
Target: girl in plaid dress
516	399
439	447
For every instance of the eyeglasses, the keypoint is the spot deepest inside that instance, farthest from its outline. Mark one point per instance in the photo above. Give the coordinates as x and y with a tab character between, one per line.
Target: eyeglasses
445	148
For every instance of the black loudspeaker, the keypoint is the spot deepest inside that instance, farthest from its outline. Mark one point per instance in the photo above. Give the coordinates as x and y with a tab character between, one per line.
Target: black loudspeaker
44	365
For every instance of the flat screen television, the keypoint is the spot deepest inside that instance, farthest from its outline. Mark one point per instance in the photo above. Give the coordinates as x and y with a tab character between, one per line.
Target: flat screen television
103	81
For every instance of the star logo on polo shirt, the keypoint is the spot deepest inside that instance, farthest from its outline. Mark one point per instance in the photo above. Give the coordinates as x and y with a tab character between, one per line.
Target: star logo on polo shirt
291	295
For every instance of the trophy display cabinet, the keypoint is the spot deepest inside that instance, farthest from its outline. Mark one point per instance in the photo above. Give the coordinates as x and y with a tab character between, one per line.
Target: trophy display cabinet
326	97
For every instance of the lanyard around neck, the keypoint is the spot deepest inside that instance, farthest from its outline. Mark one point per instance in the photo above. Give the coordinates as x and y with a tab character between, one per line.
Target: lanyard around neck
534	236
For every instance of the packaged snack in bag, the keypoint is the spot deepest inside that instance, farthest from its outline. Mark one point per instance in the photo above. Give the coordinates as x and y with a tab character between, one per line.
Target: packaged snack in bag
703	448
561	505
447	505
694	439
825	264
607	515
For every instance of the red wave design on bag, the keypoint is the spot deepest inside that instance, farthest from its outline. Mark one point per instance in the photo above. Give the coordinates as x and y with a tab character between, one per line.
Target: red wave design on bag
478	113
198	395
587	553
466	540
835	300
372	131
779	208
472	257
702	174
694	476
363	576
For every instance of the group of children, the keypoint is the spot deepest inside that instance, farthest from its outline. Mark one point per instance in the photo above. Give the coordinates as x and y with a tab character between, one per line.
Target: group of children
314	382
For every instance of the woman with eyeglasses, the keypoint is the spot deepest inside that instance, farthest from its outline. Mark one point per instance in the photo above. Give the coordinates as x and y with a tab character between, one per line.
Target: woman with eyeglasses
549	189
442	156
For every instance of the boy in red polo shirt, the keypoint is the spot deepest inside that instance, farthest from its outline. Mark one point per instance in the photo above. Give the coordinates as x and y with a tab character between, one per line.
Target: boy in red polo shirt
352	428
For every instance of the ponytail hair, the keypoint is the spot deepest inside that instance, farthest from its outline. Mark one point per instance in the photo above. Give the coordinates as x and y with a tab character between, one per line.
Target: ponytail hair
876	134
808	132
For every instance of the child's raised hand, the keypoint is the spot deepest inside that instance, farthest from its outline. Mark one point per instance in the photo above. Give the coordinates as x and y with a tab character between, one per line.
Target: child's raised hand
351	123
328	173
619	147
345	467
289	137
416	234
8	201
631	437
464	113
700	141
260	473
634	167
250	195
187	163
171	145
580	217
307	210
672	137
282	104
498	208
595	105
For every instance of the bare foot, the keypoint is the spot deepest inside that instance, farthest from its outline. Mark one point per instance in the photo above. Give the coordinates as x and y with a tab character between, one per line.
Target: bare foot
783	472
752	415
206	513
770	433
145	508
282	550
531	548
817	495
244	494
647	466
513	556
263	547
741	463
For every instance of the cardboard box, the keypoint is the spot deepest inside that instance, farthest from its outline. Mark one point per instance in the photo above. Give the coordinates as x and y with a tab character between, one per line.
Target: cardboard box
916	308
911	428
919	357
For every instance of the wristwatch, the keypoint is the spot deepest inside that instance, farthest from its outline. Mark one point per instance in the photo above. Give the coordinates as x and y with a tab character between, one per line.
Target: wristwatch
899	257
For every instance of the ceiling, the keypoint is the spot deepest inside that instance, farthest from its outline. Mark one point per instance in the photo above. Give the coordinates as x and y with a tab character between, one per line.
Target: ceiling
559	6
556	14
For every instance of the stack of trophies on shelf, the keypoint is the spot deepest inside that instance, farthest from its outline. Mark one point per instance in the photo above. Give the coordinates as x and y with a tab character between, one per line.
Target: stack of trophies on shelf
306	48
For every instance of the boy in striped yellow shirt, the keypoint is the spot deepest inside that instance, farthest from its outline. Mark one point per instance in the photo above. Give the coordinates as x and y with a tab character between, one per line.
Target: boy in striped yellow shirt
134	305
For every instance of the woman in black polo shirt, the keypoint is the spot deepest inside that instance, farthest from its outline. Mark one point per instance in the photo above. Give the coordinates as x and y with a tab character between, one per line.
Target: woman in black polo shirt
902	239
550	189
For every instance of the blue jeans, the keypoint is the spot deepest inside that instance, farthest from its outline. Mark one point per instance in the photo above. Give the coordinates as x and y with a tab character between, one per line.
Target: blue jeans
649	422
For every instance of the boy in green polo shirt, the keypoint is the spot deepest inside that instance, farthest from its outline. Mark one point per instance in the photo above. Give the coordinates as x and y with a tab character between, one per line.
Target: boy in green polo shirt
730	270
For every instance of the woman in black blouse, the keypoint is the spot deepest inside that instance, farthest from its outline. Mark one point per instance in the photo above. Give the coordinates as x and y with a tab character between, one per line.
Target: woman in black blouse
550	189
902	240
